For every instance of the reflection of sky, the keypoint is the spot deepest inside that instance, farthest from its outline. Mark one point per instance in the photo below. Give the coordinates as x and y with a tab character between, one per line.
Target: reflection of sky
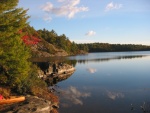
114	95
124	81
72	95
91	70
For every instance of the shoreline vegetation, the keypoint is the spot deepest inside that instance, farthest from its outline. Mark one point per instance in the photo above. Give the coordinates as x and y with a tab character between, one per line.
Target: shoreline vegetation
20	42
106	47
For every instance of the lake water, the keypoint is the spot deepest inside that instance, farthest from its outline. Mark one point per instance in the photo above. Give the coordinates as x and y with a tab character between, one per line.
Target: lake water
111	82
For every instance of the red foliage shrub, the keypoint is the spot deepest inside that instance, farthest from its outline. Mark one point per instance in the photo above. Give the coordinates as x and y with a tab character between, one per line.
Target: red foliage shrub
30	40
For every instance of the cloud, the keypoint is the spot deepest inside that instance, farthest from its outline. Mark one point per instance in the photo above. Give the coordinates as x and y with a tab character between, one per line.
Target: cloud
60	0
114	95
47	7
47	18
91	70
67	8
90	33
74	96
112	6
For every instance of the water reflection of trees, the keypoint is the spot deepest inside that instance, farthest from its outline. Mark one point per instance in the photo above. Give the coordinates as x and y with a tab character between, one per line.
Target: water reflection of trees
74	61
109	59
57	59
71	62
54	80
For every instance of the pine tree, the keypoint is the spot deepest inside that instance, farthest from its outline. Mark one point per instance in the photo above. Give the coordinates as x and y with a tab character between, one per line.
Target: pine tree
14	66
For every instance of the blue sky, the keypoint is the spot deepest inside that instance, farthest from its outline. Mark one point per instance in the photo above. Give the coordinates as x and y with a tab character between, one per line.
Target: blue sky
86	21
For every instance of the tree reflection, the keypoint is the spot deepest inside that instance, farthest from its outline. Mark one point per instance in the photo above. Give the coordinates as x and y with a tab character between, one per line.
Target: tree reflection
54	80
109	59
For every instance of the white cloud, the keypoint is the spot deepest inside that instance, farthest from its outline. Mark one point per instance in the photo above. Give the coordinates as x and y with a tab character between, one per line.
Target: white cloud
47	7
67	8
90	33
91	70
112	6
60	0
74	96
114	95
47	18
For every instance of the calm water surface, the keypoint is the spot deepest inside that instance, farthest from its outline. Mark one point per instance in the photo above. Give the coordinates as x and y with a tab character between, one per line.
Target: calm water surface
112	82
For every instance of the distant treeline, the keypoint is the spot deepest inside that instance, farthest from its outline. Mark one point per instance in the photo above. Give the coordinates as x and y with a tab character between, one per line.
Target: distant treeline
106	47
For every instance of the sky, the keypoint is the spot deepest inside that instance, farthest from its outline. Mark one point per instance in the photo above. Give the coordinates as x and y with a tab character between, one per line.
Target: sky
89	21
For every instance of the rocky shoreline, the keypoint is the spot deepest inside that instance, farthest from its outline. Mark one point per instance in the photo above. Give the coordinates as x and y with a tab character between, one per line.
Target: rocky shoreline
32	104
54	72
51	73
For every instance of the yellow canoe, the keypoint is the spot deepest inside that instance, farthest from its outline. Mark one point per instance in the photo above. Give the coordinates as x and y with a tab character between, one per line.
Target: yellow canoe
12	99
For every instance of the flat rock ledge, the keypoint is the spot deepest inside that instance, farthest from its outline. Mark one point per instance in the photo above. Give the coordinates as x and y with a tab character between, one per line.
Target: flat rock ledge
33	104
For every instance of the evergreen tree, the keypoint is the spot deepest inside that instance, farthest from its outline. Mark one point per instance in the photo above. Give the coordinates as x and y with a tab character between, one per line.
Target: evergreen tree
14	66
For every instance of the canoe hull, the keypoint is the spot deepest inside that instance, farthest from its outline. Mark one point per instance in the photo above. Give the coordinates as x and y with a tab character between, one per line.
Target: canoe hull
12	100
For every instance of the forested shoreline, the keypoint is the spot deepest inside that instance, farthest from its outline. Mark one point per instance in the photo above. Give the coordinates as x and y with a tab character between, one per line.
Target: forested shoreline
72	48
106	47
